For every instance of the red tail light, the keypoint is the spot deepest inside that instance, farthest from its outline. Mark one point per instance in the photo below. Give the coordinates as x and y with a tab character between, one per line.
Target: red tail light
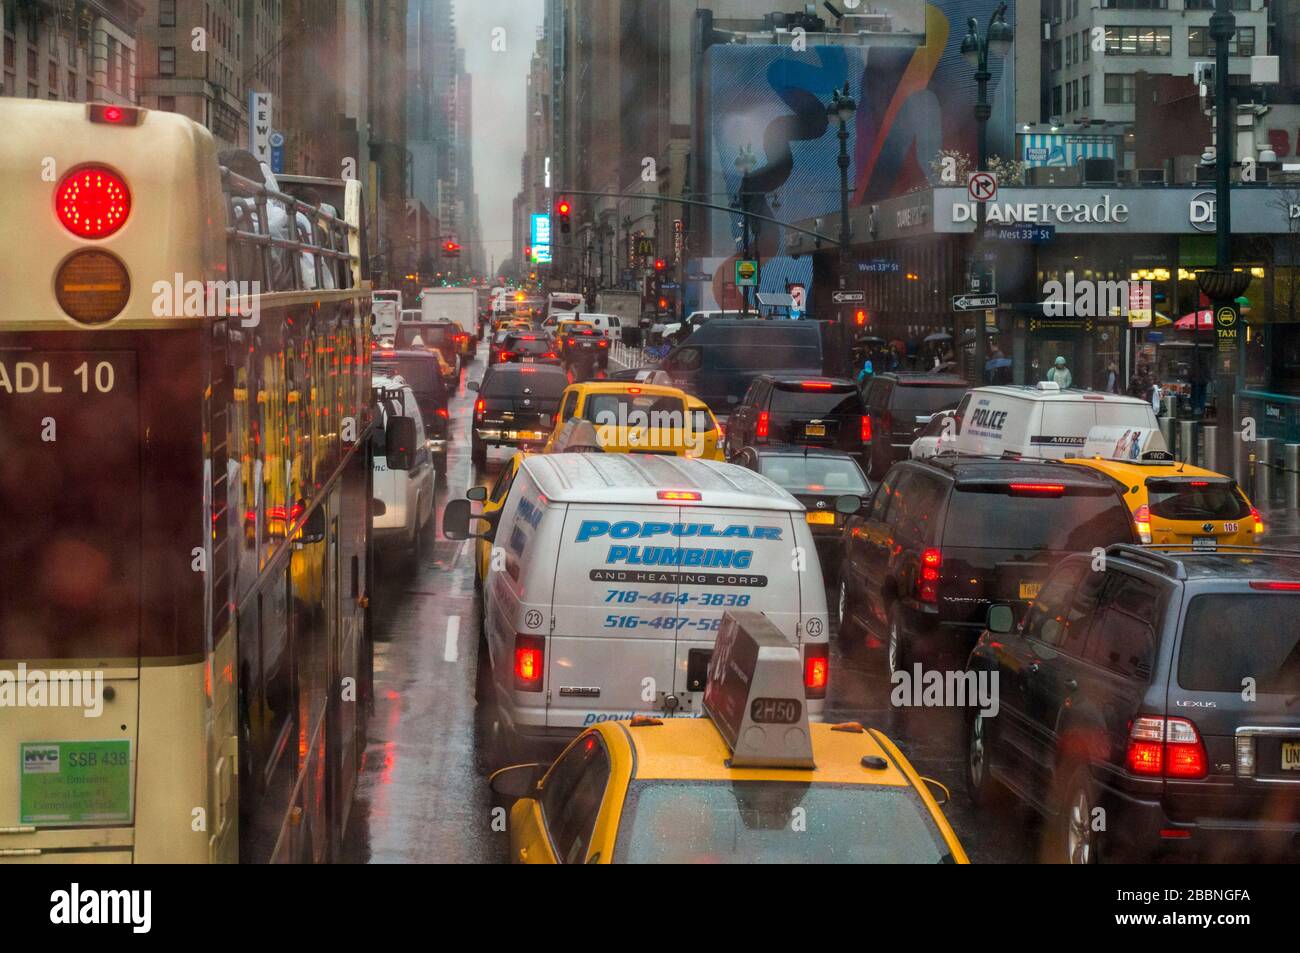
1275	586
1039	489
478	406
1166	747
550	354
816	670
1142	518
442	412
691	496
530	658
604	344
816	385
504	356
927	589
763	421
866	428
1259	519
93	202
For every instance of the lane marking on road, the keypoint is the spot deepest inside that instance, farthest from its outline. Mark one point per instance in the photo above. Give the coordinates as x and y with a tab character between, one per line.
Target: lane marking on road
451	652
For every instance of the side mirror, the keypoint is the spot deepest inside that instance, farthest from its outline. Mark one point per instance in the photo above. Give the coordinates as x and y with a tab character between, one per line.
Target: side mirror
456	517
399	442
313	529
516	781
476	493
938	790
848	504
471	385
1001	620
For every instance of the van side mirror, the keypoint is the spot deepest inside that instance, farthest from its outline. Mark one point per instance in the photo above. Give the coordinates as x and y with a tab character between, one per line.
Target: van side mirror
313	529
399	442
476	493
456	517
848	504
1001	620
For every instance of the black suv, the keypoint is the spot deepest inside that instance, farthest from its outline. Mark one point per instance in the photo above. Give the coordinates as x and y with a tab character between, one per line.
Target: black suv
516	407
898	405
527	347
799	409
947	538
1163	689
420	369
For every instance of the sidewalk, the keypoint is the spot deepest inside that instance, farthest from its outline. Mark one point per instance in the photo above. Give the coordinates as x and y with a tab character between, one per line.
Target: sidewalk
1281	528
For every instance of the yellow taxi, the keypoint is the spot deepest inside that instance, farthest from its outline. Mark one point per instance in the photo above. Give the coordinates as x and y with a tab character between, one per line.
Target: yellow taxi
753	782
562	328
639	418
1178	503
492	499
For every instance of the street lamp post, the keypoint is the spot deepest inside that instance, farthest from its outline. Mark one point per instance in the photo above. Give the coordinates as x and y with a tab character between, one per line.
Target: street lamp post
745	163
841	109
997	40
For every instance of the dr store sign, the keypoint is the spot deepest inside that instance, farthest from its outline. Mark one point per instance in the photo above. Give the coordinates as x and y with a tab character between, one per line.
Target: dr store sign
1200	211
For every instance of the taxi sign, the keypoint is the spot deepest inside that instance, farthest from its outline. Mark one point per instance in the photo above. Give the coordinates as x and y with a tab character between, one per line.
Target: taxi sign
1133	444
577	436
755	694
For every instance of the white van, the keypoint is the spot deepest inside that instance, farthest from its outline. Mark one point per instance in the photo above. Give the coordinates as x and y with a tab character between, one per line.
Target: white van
385	308
610	325
615	571
404	494
1042	420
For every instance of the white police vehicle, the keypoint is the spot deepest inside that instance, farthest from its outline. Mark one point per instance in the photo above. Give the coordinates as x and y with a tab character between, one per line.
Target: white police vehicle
610	577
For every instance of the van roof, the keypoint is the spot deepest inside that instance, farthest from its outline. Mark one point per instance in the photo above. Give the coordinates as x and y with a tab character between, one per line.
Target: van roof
1032	392
638	478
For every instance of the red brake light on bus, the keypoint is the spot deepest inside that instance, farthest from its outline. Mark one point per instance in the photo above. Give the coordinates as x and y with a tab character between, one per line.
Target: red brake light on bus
115	115
93	202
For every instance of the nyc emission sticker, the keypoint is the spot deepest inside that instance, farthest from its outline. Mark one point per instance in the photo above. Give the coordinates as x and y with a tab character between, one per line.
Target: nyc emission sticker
74	782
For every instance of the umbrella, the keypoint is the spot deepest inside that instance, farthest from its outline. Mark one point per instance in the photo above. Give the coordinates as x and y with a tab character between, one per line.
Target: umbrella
996	363
937	338
1203	318
869	340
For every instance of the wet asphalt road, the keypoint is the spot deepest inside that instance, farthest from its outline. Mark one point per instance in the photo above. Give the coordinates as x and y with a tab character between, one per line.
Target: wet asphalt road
420	798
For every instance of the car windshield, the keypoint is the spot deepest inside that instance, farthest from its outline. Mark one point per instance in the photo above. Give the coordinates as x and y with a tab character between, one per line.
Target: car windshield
526	345
546	382
834	402
814	474
993	518
1235	639
749	822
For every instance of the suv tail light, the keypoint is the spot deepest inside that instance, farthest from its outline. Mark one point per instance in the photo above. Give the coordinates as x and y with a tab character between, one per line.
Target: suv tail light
764	419
1142	518
816	670
530	658
1166	747
927	588
866	428
478	407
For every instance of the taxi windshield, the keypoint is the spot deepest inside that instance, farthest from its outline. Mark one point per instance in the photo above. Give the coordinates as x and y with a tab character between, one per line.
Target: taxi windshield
749	822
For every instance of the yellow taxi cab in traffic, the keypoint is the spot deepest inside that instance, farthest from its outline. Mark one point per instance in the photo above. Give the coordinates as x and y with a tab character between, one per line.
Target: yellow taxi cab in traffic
491	499
638	418
564	327
753	782
1175	502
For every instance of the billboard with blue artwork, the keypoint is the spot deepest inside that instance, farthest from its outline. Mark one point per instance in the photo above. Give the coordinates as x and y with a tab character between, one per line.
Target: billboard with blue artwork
914	101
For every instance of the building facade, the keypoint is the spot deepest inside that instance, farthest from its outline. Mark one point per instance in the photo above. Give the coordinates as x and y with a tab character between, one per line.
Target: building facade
84	51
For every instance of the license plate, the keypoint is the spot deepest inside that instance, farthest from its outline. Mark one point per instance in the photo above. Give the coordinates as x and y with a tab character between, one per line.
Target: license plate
1205	542
1291	756
1029	590
815	430
530	360
822	519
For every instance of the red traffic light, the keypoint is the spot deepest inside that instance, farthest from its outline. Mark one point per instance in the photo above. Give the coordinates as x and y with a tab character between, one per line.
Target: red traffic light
660	264
563	208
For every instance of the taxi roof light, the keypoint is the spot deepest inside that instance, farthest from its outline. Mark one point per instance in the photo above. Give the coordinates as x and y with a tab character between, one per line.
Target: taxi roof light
755	694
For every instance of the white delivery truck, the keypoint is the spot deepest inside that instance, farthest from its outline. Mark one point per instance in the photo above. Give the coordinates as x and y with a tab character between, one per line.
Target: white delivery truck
403	495
1042	420
615	572
565	305
454	304
385	308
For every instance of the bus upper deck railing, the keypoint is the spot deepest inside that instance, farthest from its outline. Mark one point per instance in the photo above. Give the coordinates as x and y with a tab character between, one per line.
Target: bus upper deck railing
277	253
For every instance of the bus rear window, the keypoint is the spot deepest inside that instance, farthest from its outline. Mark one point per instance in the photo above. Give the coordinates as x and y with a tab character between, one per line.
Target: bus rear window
748	822
1231	637
1195	500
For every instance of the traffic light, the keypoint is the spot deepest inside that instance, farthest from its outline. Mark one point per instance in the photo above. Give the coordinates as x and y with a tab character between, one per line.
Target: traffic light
860	317
660	266
451	248
563	210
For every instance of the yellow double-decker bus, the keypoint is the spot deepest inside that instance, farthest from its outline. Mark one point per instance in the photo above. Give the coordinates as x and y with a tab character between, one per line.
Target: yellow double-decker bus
185	427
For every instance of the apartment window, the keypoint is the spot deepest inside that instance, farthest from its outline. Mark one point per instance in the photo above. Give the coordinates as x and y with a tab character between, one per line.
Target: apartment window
72	85
166	61
1243	5
1086	86
1069	51
1138	41
1119	89
167	103
33	29
1199	42
1056	54
1057	104
167	13
1135	4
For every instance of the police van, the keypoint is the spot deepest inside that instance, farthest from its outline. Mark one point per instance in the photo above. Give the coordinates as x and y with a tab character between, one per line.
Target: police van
1042	420
612	574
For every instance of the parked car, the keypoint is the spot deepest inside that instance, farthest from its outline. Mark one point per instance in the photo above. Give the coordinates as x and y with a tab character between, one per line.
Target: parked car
799	409
818	479
1160	694
421	370
403	478
516	407
949	537
898	405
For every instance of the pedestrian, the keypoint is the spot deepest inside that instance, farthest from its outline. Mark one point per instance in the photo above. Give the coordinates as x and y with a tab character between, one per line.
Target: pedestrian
1112	378
1060	374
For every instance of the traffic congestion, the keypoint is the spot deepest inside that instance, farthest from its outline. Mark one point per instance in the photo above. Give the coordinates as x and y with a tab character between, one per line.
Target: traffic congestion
334	533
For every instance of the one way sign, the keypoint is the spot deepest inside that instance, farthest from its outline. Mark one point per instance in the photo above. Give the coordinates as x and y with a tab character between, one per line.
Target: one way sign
849	297
970	302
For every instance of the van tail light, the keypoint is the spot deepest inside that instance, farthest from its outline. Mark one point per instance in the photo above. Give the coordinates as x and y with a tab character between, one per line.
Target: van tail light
1258	518
442	412
866	428
1142	520
763	423
816	670
530	658
927	588
1166	747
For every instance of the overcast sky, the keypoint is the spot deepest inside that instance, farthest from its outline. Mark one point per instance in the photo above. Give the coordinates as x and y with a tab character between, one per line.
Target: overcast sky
500	92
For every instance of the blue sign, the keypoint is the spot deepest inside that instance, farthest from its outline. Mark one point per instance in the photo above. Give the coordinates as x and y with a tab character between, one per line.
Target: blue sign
879	265
540	239
1155	337
277	153
1022	233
